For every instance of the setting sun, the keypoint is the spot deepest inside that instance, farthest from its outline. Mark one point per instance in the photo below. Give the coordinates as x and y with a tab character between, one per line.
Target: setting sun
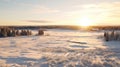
85	21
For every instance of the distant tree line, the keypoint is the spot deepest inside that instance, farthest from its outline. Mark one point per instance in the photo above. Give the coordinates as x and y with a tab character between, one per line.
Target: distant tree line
75	27
106	27
12	32
46	27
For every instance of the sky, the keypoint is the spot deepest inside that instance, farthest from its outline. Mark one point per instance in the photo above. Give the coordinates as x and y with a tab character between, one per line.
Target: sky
60	12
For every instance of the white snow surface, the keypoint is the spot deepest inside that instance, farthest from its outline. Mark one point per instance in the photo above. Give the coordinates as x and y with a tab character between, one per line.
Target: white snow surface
60	48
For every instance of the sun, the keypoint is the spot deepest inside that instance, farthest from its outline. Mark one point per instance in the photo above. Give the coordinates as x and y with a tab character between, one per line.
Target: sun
85	21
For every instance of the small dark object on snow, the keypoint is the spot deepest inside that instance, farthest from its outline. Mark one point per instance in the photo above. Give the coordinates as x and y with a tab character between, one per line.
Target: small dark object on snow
40	32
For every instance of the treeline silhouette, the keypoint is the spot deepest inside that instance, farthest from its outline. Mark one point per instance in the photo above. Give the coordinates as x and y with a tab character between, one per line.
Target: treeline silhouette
45	27
105	27
12	32
74	27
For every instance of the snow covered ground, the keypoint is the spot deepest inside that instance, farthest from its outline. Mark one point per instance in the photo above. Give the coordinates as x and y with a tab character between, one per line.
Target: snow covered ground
60	48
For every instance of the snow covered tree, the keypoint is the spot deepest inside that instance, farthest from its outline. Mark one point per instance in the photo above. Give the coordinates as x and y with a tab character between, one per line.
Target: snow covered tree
40	32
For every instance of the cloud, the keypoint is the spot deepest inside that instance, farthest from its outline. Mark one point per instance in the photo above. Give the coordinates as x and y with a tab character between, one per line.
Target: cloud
8	0
39	21
101	10
101	13
39	9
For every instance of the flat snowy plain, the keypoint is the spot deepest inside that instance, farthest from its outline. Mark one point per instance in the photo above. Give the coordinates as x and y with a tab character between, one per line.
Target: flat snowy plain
60	48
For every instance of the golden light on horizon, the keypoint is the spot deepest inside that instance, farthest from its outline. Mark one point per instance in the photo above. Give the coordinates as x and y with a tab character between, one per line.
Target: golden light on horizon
85	21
